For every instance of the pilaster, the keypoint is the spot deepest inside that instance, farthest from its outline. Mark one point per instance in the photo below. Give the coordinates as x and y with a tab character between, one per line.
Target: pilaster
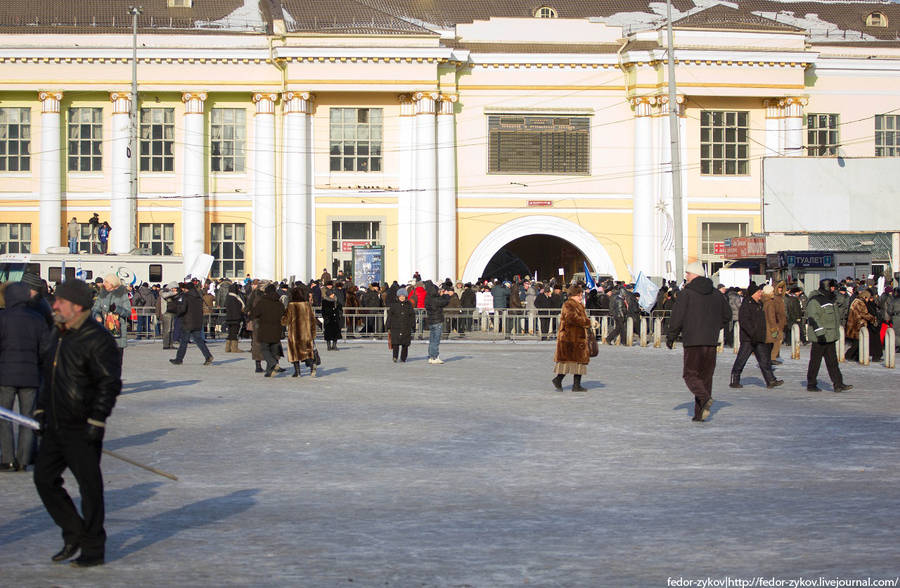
50	220
193	201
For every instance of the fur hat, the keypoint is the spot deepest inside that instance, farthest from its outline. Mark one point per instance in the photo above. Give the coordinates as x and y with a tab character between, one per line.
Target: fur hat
696	268
768	290
76	292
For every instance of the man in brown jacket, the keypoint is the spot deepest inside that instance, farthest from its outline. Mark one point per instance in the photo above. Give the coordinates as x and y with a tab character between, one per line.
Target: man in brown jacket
776	318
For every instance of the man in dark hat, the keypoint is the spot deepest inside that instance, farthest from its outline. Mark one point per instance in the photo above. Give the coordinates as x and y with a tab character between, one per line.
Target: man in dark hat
78	394
753	339
38	290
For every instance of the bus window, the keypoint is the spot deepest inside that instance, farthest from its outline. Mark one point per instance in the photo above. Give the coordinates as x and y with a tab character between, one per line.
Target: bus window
33	268
54	274
155	273
70	273
88	275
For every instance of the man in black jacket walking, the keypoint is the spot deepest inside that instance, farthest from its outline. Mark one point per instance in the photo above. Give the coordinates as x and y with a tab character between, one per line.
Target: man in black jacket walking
78	393
700	312
753	339
190	311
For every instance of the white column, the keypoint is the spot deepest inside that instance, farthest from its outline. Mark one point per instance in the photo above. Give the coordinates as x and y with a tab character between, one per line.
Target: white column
664	219
774	122
50	222
193	202
122	207
446	163
406	226
296	191
425	196
264	209
642	200
793	125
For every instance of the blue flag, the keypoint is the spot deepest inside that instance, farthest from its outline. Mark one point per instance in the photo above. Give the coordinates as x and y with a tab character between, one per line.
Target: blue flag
588	279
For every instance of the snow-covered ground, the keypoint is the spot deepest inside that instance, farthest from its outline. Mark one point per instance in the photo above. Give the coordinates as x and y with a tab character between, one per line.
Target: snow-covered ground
477	473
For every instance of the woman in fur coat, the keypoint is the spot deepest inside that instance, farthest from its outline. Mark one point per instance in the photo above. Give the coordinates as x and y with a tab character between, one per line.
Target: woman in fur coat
300	321
401	320
572	353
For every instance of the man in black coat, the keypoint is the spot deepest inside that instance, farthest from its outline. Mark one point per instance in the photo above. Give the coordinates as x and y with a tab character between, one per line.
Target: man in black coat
78	392
700	312
268	311
190	311
753	339
24	336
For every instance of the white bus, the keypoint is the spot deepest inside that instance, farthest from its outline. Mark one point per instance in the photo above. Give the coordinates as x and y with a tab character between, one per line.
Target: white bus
57	267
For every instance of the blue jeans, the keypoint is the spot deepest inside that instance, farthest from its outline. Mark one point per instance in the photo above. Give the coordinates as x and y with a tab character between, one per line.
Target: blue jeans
73	245
197	336
434	339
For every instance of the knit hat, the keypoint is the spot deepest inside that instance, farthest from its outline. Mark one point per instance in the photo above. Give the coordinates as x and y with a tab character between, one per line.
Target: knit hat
33	280
76	292
402	292
696	268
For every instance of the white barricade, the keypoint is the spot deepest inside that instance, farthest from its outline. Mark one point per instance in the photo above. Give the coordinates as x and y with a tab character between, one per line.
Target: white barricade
721	346
890	348
795	341
841	346
644	334
629	331
657	332
864	346
604	329
737	337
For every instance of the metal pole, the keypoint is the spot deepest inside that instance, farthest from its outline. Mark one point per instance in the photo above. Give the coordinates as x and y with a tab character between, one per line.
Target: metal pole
674	134
133	143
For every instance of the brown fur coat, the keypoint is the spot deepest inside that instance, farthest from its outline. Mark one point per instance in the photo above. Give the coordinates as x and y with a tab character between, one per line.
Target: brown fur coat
571	341
858	318
301	330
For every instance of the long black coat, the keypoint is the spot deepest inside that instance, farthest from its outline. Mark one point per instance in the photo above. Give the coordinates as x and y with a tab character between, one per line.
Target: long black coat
401	320
191	310
268	312
753	321
24	340
331	318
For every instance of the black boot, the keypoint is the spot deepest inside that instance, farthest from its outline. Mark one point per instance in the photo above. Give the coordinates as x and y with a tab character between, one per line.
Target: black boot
259	368
296	369
576	386
557	382
735	381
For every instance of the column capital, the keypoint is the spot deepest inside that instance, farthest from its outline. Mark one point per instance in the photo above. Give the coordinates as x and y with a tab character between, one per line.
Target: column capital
425	102
447	102
193	102
265	102
50	101
793	105
407	105
774	108
643	105
297	102
663	102
121	102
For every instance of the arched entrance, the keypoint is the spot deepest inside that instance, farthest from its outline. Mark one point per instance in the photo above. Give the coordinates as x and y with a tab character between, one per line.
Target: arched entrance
534	240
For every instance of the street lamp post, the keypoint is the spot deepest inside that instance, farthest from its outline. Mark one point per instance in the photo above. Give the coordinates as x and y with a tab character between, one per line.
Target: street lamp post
134	11
674	135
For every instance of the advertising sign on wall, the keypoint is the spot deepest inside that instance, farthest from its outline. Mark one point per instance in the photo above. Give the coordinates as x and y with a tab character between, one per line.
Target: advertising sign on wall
368	265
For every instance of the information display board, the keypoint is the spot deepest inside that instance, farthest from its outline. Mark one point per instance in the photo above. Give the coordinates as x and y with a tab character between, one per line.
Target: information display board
368	265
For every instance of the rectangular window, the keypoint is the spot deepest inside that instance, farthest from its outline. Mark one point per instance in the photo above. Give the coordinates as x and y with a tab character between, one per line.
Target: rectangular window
157	139
539	144
227	139
716	233
15	139
85	139
226	242
822	134
355	139
158	238
15	238
724	143
887	135
347	234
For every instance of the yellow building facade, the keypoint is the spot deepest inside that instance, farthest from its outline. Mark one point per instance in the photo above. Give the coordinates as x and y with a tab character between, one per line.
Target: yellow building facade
278	150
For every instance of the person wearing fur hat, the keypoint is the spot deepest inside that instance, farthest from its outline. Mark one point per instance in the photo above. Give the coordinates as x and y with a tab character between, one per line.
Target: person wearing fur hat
752	320
699	313
401	321
78	394
572	353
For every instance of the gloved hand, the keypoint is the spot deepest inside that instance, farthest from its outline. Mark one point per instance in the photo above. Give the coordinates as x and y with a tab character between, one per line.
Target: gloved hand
41	417
94	433
670	343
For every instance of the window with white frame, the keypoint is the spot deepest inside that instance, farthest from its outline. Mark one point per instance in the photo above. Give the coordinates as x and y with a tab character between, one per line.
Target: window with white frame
159	238
227	242
713	235
545	12
157	139
887	135
822	134
724	143
556	145
227	139
85	139
15	238
347	234
355	139
15	139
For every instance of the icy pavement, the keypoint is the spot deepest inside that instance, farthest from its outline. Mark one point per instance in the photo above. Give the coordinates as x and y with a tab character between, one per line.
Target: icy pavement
477	473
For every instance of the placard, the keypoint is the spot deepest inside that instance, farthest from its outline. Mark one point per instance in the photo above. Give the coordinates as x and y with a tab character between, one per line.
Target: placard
368	265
